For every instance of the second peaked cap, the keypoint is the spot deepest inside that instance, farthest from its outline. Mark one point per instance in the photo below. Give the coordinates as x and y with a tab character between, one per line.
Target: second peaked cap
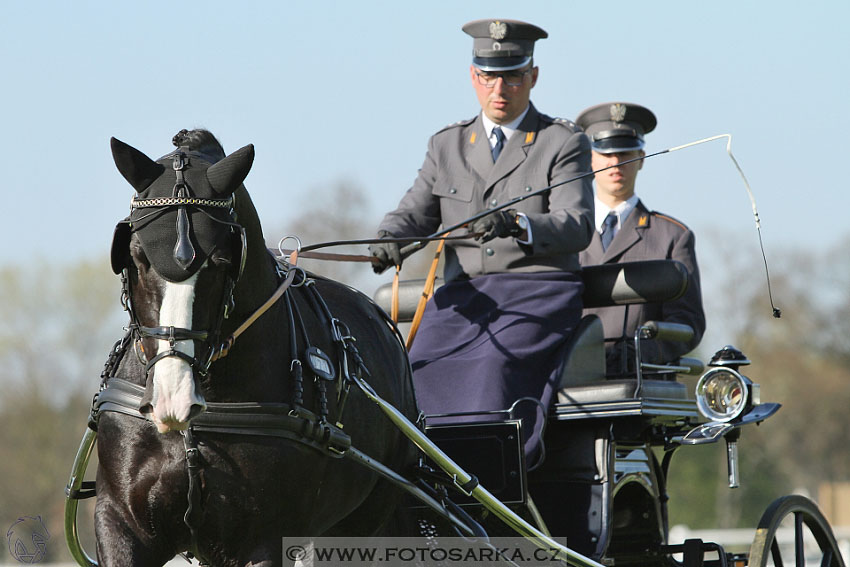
616	126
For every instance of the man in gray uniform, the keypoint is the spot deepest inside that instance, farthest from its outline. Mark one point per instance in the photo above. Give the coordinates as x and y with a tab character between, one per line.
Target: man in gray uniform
627	231
492	334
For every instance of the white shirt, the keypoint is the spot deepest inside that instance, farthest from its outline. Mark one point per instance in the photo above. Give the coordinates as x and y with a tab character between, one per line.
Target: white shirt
623	210
507	129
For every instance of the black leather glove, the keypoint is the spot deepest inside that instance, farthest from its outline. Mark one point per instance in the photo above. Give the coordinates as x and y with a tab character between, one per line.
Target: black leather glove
387	253
500	224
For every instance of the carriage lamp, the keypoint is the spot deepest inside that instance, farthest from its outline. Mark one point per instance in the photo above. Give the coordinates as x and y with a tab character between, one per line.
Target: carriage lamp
729	357
723	394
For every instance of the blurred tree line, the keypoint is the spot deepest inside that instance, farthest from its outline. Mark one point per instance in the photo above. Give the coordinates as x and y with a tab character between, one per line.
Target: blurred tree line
58	323
60	320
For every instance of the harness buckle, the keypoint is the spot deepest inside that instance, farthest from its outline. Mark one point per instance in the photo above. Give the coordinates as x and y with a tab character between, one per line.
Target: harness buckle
337	441
466	487
229	305
125	290
193	457
335	328
205	367
178	162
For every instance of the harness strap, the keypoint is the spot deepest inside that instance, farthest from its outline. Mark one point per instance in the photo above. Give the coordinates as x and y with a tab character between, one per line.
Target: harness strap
332	256
172	333
228	343
427	292
119	396
171	352
295	367
265	419
394	303
184	252
88	489
194	463
338	333
115	356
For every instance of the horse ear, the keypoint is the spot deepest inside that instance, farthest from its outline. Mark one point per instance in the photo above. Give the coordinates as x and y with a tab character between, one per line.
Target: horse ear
226	175
138	169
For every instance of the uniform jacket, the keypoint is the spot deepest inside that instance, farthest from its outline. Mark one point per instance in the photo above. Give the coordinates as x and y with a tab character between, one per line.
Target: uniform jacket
649	235
459	179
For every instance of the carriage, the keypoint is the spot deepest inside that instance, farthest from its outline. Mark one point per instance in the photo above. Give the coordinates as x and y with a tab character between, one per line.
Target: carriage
611	436
609	440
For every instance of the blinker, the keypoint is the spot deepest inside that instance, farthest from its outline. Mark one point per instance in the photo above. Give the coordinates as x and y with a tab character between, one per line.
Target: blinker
120	253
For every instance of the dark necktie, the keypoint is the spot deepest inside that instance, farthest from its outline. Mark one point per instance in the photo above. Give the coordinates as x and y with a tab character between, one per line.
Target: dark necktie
500	143
608	229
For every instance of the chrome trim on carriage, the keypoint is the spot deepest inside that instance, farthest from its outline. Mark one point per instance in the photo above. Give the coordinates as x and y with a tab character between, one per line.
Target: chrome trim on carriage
656	408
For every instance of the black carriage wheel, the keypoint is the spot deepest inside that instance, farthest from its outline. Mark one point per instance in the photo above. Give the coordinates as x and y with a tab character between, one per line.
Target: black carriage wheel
806	515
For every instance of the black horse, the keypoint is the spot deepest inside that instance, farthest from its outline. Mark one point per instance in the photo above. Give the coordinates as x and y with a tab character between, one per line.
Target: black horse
182	474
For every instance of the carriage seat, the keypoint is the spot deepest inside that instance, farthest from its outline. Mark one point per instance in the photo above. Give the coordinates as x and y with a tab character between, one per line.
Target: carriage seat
582	379
605	285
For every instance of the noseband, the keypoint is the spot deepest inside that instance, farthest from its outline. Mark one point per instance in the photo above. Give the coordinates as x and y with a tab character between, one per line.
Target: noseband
184	254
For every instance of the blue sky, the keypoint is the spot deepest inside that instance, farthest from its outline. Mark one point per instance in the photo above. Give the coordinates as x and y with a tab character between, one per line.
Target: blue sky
351	91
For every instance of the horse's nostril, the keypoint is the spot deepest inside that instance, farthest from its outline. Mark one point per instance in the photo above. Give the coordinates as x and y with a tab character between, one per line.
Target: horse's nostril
196	410
146	408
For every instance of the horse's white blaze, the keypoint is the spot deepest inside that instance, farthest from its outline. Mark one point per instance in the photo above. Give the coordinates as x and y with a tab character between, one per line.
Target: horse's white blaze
174	391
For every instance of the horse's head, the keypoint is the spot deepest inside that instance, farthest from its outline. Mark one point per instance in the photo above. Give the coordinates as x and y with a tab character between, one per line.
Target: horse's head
180	251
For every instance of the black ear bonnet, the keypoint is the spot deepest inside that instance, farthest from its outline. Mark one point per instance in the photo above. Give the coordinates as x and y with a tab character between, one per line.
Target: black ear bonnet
183	209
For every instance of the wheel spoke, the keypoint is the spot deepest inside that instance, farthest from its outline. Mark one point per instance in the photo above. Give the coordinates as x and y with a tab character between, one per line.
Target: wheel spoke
799	551
776	554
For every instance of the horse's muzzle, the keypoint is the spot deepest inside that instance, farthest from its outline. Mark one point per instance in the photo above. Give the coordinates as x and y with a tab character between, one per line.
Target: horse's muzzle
171	409
168	423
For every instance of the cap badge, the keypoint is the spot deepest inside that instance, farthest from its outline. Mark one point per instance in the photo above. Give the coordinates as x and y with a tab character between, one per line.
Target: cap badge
618	112
498	30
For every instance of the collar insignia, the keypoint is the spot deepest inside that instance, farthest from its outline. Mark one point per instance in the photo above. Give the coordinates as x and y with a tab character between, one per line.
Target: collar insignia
498	30
643	220
618	112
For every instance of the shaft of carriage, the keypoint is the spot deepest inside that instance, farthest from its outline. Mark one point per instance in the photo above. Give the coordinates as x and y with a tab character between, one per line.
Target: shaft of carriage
481	494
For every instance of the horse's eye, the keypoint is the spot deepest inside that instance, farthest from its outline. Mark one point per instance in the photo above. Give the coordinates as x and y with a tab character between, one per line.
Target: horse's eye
138	254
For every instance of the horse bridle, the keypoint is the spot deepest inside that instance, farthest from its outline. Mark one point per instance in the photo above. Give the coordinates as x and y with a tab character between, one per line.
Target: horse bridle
184	254
173	334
